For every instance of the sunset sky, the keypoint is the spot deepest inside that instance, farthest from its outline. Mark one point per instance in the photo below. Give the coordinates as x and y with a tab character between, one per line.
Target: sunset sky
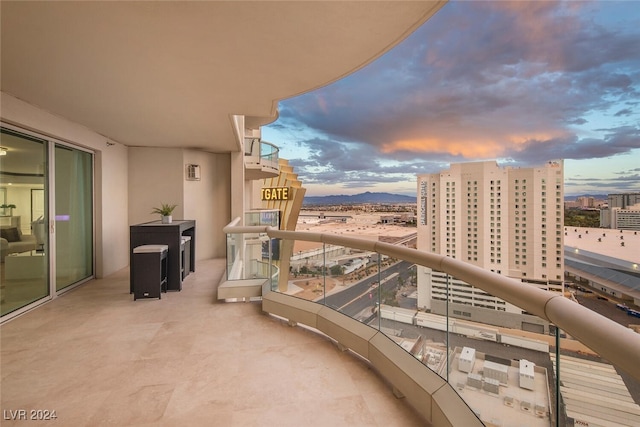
521	83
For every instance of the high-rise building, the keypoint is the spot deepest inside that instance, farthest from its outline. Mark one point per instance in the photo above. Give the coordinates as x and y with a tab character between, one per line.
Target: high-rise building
586	201
623	200
621	212
504	219
626	218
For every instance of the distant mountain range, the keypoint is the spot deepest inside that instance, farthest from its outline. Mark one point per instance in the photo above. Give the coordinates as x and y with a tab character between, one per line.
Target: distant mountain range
595	196
354	199
369	197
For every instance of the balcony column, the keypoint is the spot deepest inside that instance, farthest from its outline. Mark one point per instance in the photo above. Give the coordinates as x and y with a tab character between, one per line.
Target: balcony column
237	186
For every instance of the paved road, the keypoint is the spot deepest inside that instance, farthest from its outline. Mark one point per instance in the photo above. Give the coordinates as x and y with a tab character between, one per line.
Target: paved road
606	307
362	296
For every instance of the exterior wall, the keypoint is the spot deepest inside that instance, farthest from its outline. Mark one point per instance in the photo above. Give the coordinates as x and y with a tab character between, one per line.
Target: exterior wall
157	175
208	201
461	293
481	315
537	214
605	217
110	171
623	200
626	219
507	220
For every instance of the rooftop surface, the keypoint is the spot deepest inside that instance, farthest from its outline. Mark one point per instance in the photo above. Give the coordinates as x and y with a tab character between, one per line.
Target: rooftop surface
605	241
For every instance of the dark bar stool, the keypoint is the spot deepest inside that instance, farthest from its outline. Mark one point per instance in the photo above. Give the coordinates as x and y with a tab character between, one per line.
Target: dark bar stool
149	271
185	255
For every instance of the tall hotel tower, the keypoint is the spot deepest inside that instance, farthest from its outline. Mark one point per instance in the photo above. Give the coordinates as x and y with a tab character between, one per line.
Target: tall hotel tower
504	219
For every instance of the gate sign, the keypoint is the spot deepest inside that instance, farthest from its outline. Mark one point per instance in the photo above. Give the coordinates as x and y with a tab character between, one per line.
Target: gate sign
275	193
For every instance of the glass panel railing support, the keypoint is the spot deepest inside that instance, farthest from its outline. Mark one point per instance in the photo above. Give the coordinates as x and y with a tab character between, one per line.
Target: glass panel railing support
447	332
379	293
324	274
556	387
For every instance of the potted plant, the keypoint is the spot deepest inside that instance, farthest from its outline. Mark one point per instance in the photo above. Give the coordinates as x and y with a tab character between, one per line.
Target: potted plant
165	210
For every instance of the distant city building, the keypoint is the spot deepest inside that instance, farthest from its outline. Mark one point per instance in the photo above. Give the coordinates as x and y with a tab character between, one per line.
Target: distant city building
605	217
586	202
404	218
507	220
604	259
622	212
623	200
626	219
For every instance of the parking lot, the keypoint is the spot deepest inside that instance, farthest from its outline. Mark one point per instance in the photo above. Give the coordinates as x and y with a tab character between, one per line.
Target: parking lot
606	307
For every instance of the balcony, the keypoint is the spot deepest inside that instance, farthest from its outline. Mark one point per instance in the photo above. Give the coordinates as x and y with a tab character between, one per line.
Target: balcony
539	368
97	358
260	159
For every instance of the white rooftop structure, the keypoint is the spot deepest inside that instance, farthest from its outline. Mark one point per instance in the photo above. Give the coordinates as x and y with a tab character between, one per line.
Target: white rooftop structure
595	394
502	403
605	241
606	257
527	374
467	359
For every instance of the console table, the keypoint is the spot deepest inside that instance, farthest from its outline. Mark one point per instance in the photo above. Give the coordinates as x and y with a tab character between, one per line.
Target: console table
157	233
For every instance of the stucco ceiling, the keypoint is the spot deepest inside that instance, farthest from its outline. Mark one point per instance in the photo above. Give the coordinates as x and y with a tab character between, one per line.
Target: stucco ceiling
172	74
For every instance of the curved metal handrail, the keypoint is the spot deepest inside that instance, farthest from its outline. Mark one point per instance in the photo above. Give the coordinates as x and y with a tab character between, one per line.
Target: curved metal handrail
612	341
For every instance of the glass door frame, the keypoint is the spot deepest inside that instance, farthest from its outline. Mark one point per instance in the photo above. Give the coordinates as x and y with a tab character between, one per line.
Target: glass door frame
49	185
52	217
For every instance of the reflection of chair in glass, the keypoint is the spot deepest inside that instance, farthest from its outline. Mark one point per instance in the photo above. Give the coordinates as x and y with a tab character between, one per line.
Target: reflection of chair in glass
39	231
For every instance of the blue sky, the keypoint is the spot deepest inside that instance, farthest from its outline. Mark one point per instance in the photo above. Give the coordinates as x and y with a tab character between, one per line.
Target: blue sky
517	82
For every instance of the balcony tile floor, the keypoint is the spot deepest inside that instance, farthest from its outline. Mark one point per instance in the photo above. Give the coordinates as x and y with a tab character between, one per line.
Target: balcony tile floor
98	358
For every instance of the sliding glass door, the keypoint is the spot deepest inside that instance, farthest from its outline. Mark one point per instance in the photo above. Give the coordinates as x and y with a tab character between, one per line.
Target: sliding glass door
73	215
46	219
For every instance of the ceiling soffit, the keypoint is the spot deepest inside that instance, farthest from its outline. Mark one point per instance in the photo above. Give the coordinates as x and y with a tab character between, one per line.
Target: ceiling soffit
171	74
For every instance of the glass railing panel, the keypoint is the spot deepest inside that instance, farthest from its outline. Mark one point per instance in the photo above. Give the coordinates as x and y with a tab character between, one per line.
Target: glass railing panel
309	277
251	146
593	391
353	283
407	317
248	256
498	358
232	252
256	253
399	304
342	278
269	151
269	217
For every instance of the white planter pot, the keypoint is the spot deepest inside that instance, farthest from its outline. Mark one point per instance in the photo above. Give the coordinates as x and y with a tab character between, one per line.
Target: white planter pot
167	219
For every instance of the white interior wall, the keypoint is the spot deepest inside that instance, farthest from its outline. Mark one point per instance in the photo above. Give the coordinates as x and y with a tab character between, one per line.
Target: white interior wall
21	197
